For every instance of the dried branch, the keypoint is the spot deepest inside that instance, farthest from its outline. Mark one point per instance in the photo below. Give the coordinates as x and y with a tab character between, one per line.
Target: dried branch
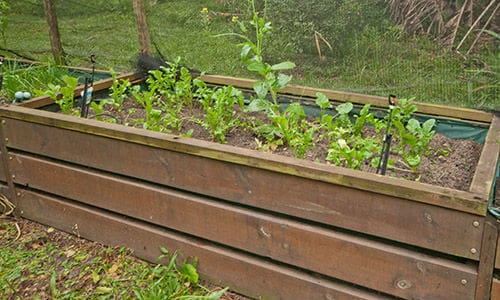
475	24
493	14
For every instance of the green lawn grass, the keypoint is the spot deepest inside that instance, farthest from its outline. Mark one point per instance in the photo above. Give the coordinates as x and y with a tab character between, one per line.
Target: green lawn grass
382	61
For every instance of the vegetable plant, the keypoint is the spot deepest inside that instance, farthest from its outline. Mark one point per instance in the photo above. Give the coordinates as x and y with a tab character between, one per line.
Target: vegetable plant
290	127
63	95
252	54
154	120
218	104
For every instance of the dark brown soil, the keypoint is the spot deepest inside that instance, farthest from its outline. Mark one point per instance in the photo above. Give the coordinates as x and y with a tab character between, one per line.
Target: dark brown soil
450	163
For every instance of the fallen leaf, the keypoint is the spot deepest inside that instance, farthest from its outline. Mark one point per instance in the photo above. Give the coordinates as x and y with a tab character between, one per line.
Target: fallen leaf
70	253
95	277
50	230
113	268
103	290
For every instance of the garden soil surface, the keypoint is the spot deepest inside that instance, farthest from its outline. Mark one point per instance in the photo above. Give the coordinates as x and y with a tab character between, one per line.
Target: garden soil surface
450	163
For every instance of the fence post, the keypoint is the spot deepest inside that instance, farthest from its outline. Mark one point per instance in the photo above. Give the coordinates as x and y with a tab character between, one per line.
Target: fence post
142	26
55	37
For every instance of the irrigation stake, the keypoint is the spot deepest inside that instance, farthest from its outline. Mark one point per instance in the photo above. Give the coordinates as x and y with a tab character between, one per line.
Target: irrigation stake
386	146
87	90
1	76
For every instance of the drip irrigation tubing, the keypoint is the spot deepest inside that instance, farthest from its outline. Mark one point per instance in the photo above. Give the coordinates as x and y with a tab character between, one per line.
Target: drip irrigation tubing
15	52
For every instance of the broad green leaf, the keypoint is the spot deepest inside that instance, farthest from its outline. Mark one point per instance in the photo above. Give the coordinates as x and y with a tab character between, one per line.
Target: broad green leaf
286	65
296	110
413	125
258	105
283	80
322	101
344	108
245	50
428	125
256	66
261	89
413	161
190	273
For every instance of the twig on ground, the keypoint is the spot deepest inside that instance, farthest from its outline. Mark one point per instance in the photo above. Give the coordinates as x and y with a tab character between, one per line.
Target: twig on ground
7	207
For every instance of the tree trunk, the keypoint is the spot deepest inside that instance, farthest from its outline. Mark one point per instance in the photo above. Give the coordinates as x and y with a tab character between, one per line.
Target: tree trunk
142	26
55	37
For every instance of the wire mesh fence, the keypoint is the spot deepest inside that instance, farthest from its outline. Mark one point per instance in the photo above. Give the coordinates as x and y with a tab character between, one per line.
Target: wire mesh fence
348	45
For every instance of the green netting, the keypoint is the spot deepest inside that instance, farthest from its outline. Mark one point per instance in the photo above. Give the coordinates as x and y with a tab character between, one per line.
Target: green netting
493	205
83	74
453	129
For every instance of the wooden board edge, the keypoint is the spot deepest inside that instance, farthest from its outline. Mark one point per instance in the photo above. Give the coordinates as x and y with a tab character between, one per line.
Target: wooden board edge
497	257
114	187
298	90
217	264
495	289
415	191
42	101
483	179
487	258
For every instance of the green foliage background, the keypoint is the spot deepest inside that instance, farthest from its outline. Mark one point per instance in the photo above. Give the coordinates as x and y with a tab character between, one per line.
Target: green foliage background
370	54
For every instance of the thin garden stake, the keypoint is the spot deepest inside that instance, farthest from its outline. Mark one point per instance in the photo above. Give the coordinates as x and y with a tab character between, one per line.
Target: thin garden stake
1	76
386	146
87	90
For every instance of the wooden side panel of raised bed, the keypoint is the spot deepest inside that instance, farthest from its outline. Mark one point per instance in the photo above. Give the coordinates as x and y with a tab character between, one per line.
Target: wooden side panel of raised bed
142	183
449	231
399	272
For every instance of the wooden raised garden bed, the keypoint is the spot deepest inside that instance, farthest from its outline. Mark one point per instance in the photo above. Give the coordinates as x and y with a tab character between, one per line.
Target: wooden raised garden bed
263	224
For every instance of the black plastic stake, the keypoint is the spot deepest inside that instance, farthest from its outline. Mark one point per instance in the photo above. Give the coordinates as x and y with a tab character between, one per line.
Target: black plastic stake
88	90
386	146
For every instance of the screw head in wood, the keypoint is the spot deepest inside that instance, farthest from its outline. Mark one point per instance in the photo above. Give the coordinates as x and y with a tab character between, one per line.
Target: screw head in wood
473	250
404	284
3	122
13	176
463	281
6	139
475	223
18	194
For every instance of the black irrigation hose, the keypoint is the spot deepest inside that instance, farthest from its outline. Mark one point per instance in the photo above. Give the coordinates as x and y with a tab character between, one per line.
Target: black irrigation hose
17	53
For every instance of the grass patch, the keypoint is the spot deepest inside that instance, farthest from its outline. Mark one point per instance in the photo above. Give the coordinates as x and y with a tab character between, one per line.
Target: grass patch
380	59
47	264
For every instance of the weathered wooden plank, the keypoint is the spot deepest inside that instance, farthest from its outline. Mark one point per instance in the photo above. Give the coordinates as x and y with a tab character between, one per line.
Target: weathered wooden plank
482	181
247	274
394	218
288	241
487	259
440	229
495	290
497	257
5	174
42	101
444	197
297	90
